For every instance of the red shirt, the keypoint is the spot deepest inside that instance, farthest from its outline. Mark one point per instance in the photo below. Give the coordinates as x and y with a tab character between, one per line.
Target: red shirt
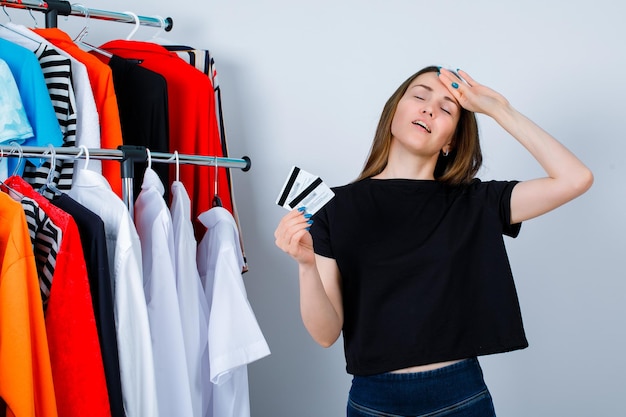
192	122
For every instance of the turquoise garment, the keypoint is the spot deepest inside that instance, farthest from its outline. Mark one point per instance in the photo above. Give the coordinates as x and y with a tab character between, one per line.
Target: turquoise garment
14	125
33	91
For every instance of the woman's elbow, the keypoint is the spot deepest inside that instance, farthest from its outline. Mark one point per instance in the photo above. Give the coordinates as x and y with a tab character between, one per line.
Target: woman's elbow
583	181
326	341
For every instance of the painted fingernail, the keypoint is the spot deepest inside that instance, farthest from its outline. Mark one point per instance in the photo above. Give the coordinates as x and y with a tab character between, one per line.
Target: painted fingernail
307	215
455	85
301	209
309	221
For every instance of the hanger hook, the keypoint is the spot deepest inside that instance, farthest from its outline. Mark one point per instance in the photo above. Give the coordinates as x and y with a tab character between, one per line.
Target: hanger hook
177	165
149	158
85	30
53	157
4	8
83	149
17	147
217	201
161	28
137	24
30	12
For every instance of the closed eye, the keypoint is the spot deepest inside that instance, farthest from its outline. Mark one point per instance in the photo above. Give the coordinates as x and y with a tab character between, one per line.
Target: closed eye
447	111
419	98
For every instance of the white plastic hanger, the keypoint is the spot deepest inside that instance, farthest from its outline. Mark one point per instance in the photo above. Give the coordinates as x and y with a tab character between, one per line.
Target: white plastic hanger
137	24
83	149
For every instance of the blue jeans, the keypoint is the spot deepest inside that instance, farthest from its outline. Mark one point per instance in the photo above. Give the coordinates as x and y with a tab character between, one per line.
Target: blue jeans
457	390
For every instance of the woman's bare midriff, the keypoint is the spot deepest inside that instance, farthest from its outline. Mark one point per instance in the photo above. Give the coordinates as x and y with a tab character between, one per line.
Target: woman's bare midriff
423	368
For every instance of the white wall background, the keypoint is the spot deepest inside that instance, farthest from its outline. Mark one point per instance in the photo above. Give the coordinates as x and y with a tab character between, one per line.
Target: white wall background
304	82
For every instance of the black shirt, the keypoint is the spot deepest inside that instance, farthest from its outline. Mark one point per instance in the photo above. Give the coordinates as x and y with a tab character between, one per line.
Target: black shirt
425	274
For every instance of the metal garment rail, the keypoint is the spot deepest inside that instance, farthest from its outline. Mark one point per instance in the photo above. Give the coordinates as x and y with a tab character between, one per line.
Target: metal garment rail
127	155
54	8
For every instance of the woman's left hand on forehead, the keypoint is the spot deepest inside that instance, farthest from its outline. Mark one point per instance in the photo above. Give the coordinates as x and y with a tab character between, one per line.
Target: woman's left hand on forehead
470	94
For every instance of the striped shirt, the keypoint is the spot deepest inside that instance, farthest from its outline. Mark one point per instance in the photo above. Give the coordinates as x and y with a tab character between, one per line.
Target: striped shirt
46	239
57	73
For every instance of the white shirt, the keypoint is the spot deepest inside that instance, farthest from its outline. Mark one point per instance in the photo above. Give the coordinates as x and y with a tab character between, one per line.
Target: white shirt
131	314
235	338
154	226
194	311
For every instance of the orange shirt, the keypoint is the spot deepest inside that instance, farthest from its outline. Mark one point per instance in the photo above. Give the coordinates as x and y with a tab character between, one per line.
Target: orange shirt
101	79
73	344
25	373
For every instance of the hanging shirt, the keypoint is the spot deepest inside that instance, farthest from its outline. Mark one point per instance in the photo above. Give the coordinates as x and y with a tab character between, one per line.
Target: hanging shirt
154	226
25	372
194	310
131	315
35	97
142	100
57	72
203	61
101	81
77	370
46	239
14	125
87	119
235	338
192	122
93	239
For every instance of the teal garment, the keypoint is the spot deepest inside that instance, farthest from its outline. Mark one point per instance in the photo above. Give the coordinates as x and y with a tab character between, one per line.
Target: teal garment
33	91
14	125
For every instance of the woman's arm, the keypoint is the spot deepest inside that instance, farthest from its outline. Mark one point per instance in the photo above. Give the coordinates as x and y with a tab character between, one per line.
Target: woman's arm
567	177
320	282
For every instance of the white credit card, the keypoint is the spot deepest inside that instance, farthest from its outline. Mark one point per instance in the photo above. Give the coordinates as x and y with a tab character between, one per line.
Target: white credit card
303	189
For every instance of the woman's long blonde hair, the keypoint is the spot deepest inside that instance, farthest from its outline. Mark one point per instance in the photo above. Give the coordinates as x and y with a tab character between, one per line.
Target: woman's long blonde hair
458	167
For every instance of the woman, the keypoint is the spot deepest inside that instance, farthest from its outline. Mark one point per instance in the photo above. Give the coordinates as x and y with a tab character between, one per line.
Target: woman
409	260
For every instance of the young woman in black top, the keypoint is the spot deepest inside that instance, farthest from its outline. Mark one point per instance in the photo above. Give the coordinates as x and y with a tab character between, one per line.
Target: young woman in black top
409	260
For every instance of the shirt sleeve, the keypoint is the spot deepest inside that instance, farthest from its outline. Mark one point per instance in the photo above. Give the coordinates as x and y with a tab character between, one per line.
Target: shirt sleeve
498	195
321	232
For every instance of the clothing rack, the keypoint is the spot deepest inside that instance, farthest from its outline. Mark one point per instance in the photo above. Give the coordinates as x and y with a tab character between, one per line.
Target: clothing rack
128	155
54	8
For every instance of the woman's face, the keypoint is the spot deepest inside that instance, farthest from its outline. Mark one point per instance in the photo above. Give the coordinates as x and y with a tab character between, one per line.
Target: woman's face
426	117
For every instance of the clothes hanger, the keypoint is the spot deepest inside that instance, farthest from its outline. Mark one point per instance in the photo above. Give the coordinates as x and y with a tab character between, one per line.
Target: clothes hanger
15	195
16	146
217	201
177	166
80	38
175	158
30	12
24	35
84	150
50	185
137	24
4	9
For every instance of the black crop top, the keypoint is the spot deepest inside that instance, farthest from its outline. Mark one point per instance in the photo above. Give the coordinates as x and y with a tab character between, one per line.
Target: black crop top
425	274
